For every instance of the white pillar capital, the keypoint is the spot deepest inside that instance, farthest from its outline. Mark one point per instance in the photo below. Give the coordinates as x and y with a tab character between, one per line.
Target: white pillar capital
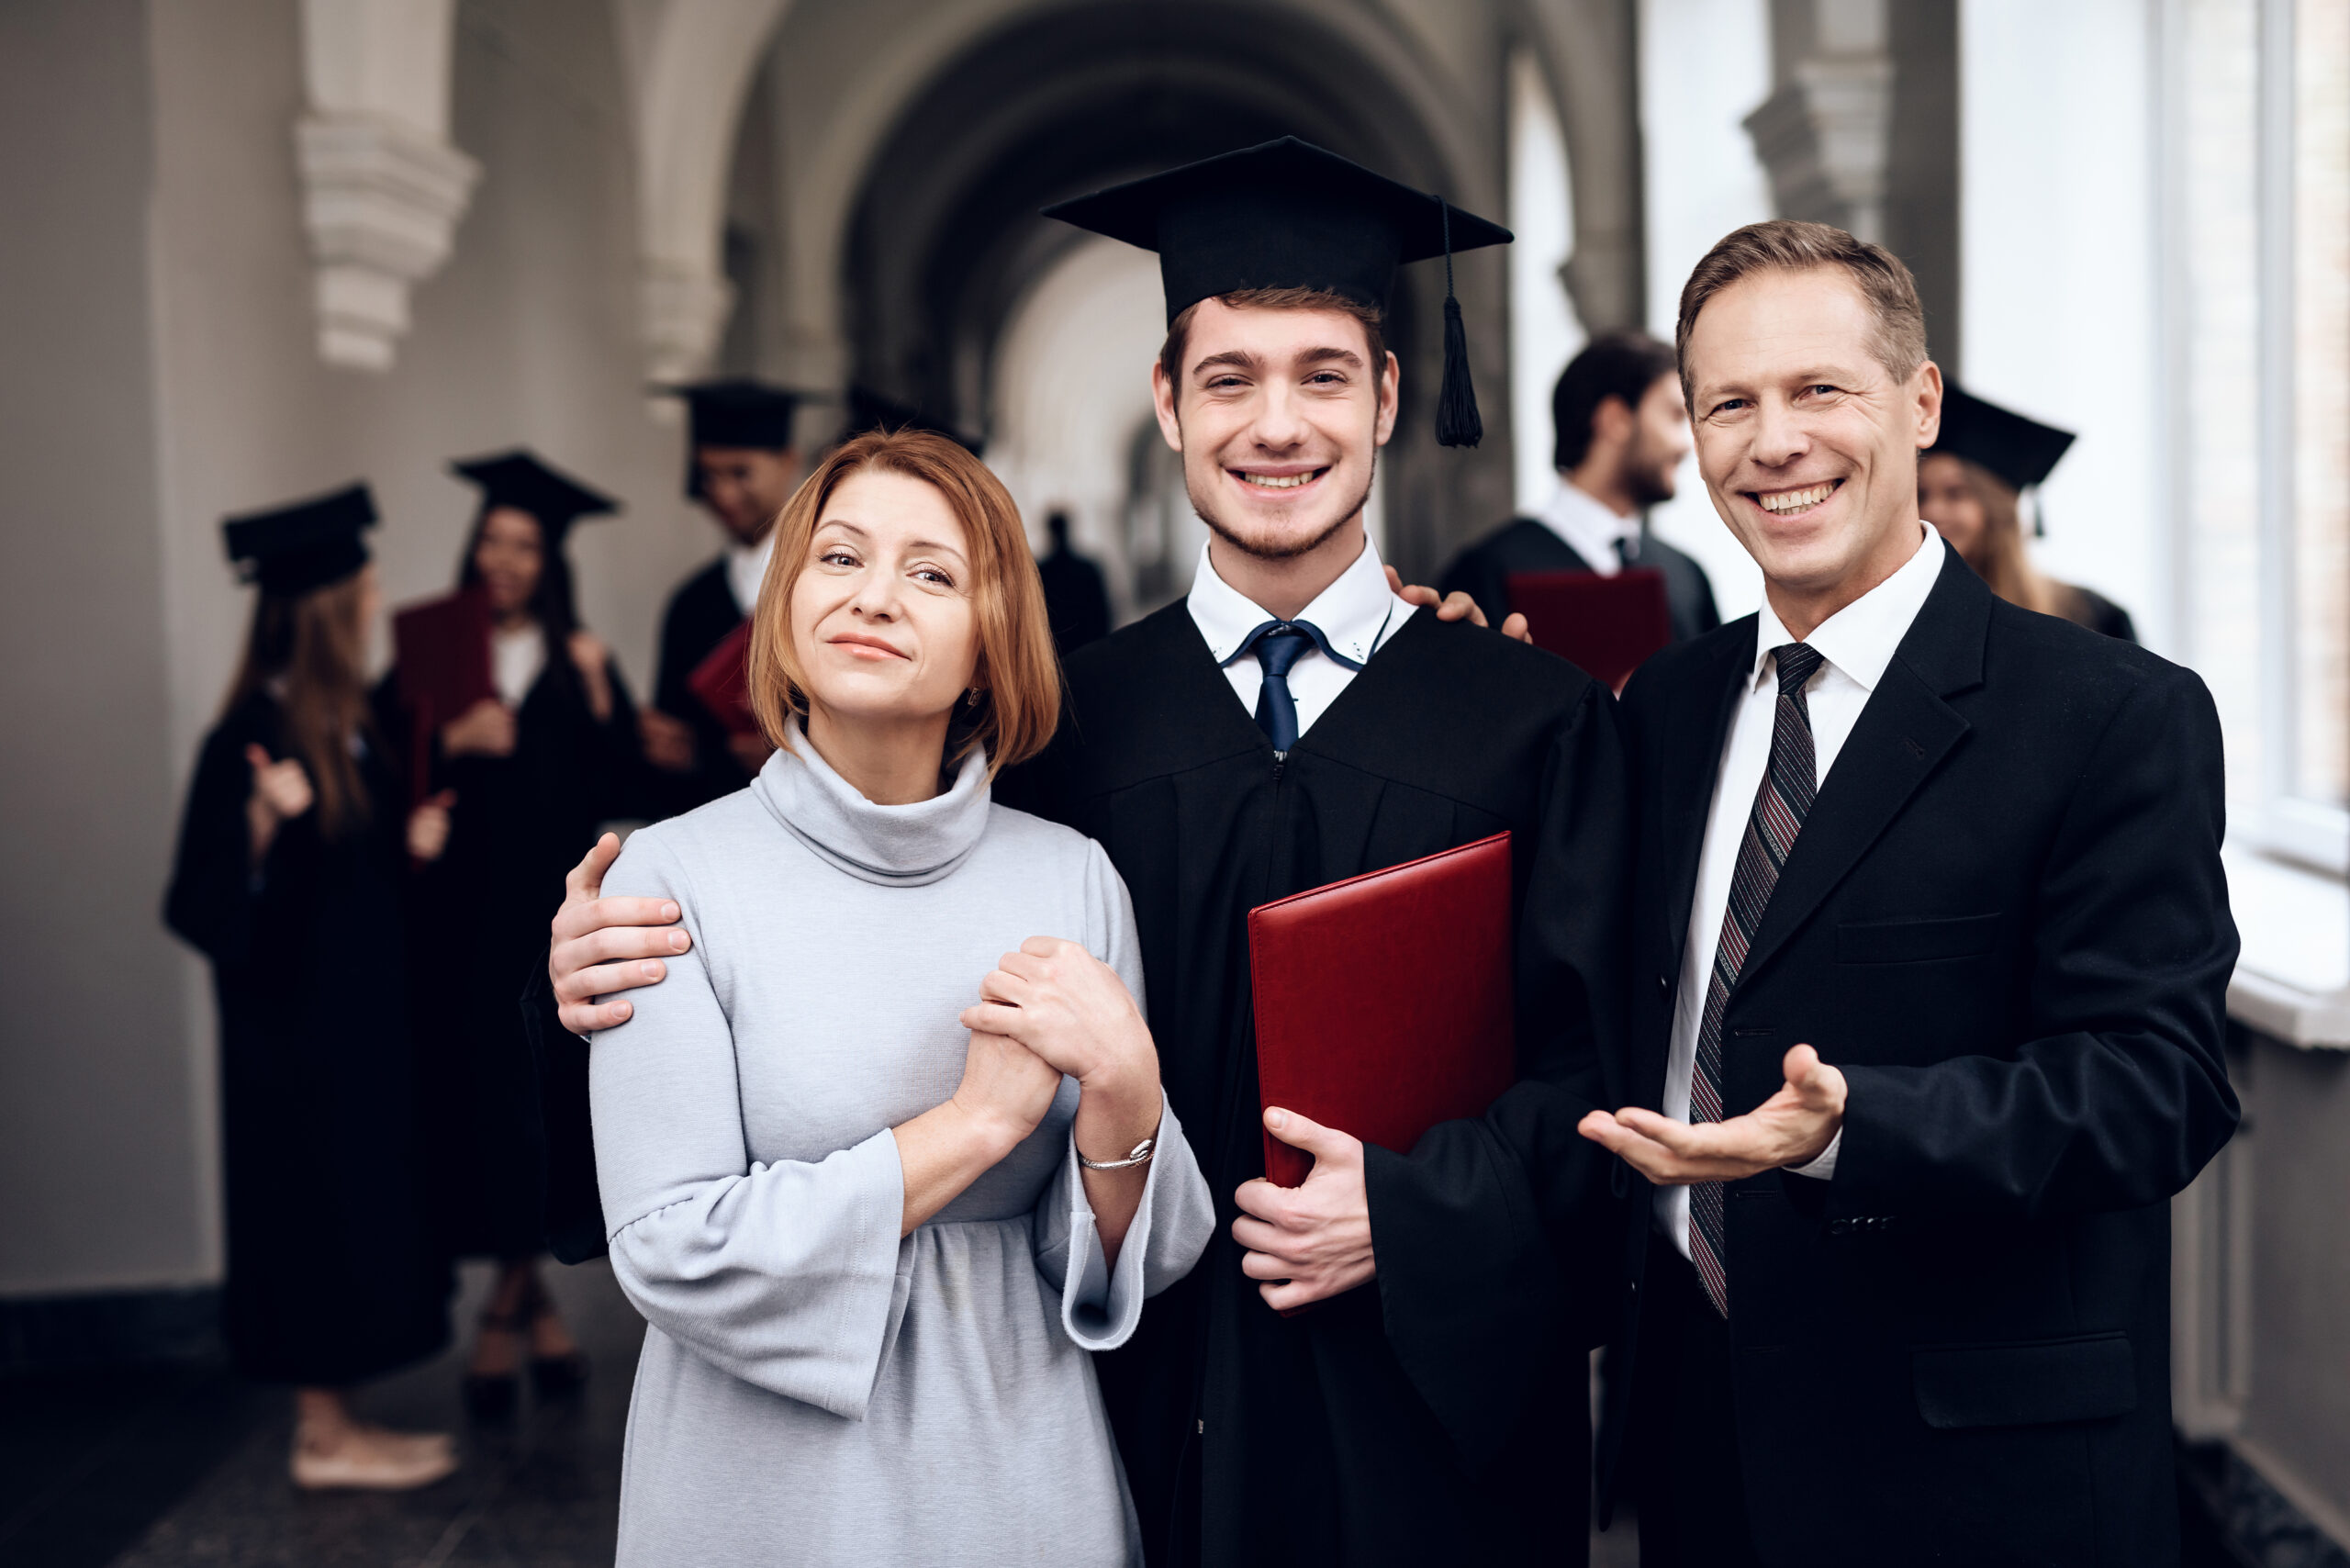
382	188
1825	135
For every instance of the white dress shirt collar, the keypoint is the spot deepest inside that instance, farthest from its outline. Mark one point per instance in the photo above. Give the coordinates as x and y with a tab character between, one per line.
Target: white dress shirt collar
1588	526
1860	639
746	567
1356	613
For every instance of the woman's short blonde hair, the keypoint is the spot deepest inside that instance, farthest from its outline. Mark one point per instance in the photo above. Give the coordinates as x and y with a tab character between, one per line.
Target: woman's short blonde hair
1018	675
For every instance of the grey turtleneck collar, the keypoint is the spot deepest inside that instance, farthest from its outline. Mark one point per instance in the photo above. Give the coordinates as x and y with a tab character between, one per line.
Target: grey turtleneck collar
895	846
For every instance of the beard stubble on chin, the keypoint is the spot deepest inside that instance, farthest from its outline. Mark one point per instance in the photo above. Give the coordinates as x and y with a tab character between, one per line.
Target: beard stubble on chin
1282	549
1651	471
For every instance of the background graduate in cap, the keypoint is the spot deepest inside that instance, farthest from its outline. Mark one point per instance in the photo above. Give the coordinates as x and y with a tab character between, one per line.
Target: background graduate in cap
1970	486
535	765
1291	723
742	466
288	879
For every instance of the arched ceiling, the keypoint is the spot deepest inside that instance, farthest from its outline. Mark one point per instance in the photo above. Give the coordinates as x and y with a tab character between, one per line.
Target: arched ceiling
945	235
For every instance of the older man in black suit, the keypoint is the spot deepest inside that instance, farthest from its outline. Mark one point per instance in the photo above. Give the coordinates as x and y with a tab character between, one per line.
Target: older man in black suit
1932	944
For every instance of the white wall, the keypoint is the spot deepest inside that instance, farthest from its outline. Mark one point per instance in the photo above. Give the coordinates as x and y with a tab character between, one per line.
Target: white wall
1705	64
1543	330
98	1150
2059	274
162	371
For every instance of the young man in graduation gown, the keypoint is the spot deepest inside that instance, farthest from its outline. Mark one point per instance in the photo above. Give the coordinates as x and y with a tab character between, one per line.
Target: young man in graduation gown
1931	948
1620	431
1291	723
742	466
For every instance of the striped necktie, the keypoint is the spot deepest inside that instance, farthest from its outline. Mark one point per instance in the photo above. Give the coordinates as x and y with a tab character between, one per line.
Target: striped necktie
1780	806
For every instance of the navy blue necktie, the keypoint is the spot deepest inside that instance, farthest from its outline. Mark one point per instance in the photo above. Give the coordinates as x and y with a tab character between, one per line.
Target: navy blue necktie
1279	645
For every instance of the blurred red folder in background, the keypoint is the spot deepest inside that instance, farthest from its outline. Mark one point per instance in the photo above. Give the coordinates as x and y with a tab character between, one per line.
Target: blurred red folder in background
1609	626
723	681
442	649
442	646
1383	1002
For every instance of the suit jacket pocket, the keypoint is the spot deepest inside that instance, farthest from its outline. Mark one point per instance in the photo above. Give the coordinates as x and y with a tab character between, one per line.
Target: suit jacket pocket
2025	1382
1915	941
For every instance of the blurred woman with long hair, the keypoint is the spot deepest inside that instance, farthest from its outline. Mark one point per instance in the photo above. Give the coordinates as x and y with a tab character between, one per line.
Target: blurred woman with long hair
288	879
536	764
1970	486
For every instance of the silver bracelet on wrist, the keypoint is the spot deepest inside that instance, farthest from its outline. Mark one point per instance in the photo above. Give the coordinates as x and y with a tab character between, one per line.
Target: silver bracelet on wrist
1139	1155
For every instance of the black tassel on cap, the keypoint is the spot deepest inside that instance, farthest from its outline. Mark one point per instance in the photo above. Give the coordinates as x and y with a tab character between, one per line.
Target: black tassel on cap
1457	421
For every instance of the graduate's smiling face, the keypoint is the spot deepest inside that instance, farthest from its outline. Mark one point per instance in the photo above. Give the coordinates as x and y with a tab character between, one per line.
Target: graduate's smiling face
508	557
1808	443
746	486
884	627
1279	415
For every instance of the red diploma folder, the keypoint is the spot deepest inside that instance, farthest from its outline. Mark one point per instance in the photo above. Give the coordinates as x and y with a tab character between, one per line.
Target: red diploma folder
1607	625
723	681
442	649
1383	1001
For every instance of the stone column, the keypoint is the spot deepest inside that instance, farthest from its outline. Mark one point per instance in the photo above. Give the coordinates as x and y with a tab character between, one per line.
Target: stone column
381	187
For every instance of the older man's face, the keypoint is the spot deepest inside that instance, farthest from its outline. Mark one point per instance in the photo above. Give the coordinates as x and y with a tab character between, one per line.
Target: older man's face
1807	444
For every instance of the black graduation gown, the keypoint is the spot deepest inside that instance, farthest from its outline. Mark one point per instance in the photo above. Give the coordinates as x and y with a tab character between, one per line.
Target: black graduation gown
1527	545
1438	1414
1076	604
519	823
2102	615
700	615
332	1274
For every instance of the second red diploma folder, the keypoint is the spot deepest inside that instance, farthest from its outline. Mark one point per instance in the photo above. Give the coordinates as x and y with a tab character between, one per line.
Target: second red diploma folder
1605	626
723	681
1382	1001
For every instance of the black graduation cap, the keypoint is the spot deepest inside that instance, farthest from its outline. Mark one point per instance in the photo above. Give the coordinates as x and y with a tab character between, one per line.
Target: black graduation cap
305	544
1288	215
739	411
870	410
518	479
2020	451
736	411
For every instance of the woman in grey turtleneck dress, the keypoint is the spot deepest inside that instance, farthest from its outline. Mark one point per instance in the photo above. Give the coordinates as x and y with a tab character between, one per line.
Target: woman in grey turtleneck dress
827	1377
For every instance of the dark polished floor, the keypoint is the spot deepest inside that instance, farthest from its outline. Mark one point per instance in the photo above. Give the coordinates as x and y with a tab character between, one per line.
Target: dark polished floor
187	1469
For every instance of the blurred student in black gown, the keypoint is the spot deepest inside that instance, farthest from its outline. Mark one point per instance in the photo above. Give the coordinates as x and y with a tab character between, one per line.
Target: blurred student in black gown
288	879
1076	602
1970	486
1619	430
742	466
533	770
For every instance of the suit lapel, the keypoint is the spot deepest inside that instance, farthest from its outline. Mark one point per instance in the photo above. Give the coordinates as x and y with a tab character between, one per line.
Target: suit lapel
1905	731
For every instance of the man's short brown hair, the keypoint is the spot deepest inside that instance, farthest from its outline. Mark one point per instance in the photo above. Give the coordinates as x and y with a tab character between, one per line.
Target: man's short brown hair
1178	330
1787	245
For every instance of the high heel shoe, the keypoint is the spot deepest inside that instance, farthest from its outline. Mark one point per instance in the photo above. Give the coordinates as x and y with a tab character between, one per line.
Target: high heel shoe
552	1377
491	1396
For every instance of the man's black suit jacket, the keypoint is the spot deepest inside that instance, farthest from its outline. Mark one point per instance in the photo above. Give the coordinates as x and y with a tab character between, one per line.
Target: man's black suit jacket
2005	920
1527	545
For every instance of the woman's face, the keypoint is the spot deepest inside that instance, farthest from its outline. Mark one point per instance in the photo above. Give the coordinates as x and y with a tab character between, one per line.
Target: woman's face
1949	502
371	603
884	625
508	557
